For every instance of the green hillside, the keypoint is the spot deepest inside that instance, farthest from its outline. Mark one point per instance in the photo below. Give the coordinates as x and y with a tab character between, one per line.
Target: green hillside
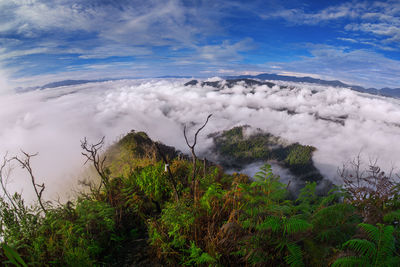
235	149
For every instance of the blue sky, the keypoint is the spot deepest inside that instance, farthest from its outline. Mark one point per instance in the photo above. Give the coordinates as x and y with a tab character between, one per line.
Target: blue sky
354	41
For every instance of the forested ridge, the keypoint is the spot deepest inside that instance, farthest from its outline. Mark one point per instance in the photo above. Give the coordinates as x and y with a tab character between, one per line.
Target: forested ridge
154	206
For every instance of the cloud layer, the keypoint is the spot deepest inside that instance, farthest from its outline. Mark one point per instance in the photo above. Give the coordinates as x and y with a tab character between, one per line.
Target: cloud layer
337	121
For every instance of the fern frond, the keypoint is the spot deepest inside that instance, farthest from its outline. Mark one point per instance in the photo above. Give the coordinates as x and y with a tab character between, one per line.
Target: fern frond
270	223
372	232
392	217
264	173
295	257
351	262
294	225
364	247
386	246
393	261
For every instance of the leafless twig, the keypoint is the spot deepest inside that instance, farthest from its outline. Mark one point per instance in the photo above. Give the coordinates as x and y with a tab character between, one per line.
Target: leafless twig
369	190
26	164
92	153
192	150
4	174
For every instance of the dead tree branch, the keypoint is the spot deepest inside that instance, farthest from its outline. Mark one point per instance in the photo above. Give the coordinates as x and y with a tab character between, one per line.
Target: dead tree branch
192	150
26	164
4	174
92	153
368	190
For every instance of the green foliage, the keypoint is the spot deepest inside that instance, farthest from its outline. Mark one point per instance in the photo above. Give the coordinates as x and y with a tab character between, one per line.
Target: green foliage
232	221
299	155
377	250
152	181
197	256
178	218
335	223
213	193
277	230
238	148
299	161
13	256
392	217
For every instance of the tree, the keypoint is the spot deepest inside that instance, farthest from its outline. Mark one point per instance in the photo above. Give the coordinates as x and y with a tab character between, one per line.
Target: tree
194	156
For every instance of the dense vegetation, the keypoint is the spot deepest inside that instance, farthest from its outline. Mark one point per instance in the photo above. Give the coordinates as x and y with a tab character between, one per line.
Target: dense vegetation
143	212
236	148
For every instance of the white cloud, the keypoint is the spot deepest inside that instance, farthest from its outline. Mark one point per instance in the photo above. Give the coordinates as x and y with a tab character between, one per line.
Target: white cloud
5	84
4	54
53	121
347	39
380	19
224	52
334	12
133	22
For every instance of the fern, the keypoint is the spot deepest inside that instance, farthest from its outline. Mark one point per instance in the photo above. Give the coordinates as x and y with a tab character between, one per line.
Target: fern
214	192
361	246
373	232
392	217
378	251
295	257
271	223
386	245
197	256
335	224
294	225
352	261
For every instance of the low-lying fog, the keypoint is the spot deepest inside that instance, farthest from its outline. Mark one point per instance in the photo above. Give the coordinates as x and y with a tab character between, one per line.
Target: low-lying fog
338	121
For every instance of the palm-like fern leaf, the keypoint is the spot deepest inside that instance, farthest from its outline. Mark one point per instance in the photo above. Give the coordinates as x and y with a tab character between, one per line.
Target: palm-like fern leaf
361	246
295	257
372	232
295	225
386	245
392	217
351	262
378	251
270	223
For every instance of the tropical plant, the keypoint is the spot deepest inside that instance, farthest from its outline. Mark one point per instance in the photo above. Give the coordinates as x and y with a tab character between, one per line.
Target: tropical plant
378	250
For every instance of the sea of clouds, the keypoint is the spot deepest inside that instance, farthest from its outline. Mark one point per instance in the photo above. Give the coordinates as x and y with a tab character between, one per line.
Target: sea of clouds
53	121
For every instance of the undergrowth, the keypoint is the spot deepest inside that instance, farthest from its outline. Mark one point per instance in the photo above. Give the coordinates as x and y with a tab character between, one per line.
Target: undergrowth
229	220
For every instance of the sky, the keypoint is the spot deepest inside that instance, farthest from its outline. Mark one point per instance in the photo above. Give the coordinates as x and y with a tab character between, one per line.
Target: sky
42	41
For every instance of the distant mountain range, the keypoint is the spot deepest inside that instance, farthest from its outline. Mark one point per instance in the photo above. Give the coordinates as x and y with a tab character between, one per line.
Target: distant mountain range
77	82
56	84
390	92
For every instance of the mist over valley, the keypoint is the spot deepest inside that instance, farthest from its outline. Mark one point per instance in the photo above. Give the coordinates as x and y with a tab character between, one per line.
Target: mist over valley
338	122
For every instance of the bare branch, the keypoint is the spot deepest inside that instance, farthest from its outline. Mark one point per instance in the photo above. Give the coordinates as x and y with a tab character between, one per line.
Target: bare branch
26	164
192	149
92	153
4	175
195	135
369	190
